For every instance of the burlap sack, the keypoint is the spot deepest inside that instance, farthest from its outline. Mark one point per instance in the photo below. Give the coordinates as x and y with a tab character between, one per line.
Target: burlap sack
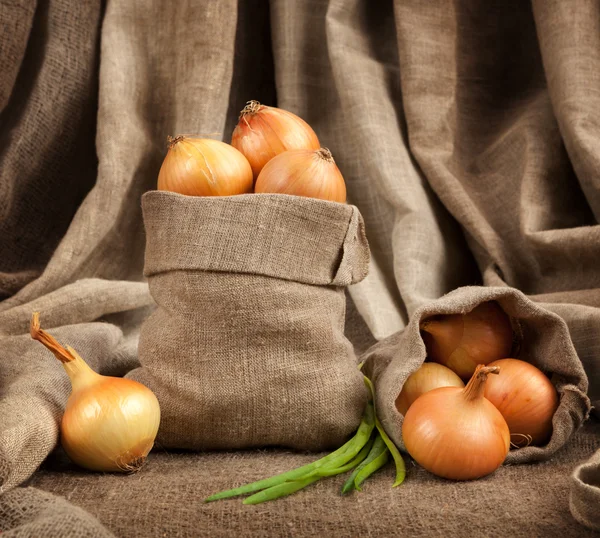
544	341
247	346
585	493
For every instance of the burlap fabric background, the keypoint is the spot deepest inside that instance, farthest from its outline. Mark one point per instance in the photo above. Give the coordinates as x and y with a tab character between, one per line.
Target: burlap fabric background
468	135
247	346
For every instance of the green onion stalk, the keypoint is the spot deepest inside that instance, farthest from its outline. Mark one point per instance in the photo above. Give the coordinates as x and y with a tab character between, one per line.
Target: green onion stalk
366	452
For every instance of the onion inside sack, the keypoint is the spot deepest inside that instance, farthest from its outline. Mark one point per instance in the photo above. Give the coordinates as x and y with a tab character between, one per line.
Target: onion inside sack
263	132
527	400
303	172
456	433
462	341
109	423
428	377
204	167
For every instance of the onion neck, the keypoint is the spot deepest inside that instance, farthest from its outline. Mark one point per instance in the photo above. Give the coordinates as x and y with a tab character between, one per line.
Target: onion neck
450	327
251	108
325	154
172	142
476	385
79	372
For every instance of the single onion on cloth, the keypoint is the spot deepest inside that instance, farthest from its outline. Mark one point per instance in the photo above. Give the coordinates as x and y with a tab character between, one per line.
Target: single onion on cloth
263	132
527	400
303	172
109	423
204	167
456	433
462	341
428	377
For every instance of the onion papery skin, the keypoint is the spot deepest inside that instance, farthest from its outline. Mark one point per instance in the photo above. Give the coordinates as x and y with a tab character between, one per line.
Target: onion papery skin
429	376
109	423
455	437
118	438
461	342
204	167
527	400
308	173
263	132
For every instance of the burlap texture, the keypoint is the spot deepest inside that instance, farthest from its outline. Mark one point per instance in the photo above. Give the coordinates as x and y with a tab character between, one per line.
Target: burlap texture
585	493
28	512
247	345
48	101
166	499
544	342
447	119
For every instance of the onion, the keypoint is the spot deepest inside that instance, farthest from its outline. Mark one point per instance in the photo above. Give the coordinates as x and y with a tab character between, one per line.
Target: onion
264	132
109	423
303	172
204	167
462	341
428	377
527	400
456	433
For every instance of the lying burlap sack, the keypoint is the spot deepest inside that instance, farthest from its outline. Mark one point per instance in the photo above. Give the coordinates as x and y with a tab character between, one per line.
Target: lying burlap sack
247	345
544	341
585	493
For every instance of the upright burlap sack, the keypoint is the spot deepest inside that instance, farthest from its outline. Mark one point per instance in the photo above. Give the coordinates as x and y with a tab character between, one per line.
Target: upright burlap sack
544	341
247	345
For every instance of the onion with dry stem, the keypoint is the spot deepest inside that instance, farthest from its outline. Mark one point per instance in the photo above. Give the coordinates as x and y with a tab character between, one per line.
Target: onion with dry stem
303	172
263	132
462	341
527	400
109	423
428	377
455	432
204	167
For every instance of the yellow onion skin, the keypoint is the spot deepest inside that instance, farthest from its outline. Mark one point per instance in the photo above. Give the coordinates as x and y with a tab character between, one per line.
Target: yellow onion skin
110	424
204	167
462	341
527	400
455	437
263	132
428	377
302	172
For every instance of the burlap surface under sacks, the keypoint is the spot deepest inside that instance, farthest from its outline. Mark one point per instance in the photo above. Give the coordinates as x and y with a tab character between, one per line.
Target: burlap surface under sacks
544	341
247	345
165	499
